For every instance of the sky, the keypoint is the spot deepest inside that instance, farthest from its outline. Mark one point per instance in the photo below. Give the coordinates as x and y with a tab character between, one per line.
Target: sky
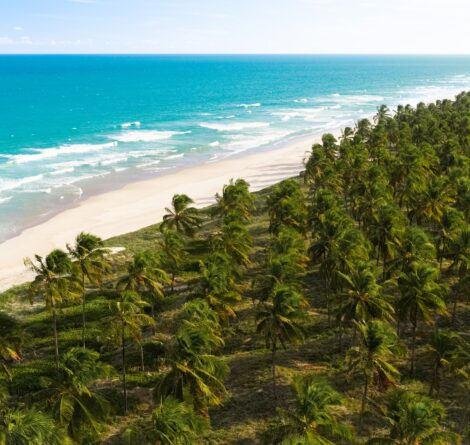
235	26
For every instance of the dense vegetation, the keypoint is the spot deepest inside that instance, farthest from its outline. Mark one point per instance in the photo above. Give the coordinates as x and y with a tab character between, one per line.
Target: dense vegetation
328	309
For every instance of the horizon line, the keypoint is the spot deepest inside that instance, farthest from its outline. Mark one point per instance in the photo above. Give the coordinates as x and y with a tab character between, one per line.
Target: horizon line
234	54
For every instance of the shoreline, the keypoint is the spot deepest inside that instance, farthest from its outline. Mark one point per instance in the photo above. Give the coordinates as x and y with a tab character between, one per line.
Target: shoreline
142	203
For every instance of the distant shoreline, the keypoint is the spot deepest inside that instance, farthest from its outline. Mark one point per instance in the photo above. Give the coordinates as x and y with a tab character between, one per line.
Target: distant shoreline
142	203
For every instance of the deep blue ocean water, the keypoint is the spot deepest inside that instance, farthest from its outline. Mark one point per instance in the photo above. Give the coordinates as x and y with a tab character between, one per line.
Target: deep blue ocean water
71	126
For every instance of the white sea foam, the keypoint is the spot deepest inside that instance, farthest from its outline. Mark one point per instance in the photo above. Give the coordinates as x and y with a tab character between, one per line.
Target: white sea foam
48	153
304	100
249	105
6	199
236	126
145	135
214	144
180	155
136	124
10	184
62	171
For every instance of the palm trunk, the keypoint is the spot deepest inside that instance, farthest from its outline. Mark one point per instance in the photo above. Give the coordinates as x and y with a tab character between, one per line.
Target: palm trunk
434	382
142	362
273	367
152	310
413	346
83	312
364	397
454	307
56	338
124	383
173	278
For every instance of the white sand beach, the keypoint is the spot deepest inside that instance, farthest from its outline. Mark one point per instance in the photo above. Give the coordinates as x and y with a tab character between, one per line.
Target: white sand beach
140	204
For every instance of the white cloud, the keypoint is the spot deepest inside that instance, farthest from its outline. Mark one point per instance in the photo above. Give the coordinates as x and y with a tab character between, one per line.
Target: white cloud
18	28
5	41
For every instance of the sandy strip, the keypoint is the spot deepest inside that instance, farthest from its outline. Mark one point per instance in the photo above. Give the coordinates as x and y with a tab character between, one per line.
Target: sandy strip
140	204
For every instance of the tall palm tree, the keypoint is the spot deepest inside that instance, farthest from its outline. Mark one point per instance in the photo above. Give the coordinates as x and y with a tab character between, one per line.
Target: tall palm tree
181	217
11	339
89	256
363	297
195	374
372	357
313	419
217	285
145	276
447	351
75	405
172	253
236	199
421	298
30	427
415	420
278	321
126	320
55	282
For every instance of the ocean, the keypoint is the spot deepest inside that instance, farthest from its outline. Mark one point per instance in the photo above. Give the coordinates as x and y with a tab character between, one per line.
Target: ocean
73	126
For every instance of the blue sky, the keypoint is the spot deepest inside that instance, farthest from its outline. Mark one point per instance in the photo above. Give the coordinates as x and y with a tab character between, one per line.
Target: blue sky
235	26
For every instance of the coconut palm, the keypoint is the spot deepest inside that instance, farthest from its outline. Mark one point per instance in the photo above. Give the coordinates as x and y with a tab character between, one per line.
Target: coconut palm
286	207
172	253
421	298
181	217
30	427
89	256
415	246
414	420
217	285
278	321
176	422
447	352
363	298
75	405
313	419
236	199
145	276
55	282
195	374
126	320
378	345
11	340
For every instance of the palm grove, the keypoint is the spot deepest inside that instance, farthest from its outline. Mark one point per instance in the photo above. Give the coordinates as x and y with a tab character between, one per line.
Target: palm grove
327	309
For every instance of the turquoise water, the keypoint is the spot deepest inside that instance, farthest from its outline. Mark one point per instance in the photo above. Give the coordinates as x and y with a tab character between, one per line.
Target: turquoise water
71	126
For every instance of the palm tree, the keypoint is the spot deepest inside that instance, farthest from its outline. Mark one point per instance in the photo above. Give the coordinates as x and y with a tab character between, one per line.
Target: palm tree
30	427
75	406
126	321
172	253
196	375
313	419
421	297
414	420
451	221
236	199
181	217
278	321
217	285
385	231
415	246
447	351
88	254
55	281
145	275
372	358
176	422
286	207
364	299
11	339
